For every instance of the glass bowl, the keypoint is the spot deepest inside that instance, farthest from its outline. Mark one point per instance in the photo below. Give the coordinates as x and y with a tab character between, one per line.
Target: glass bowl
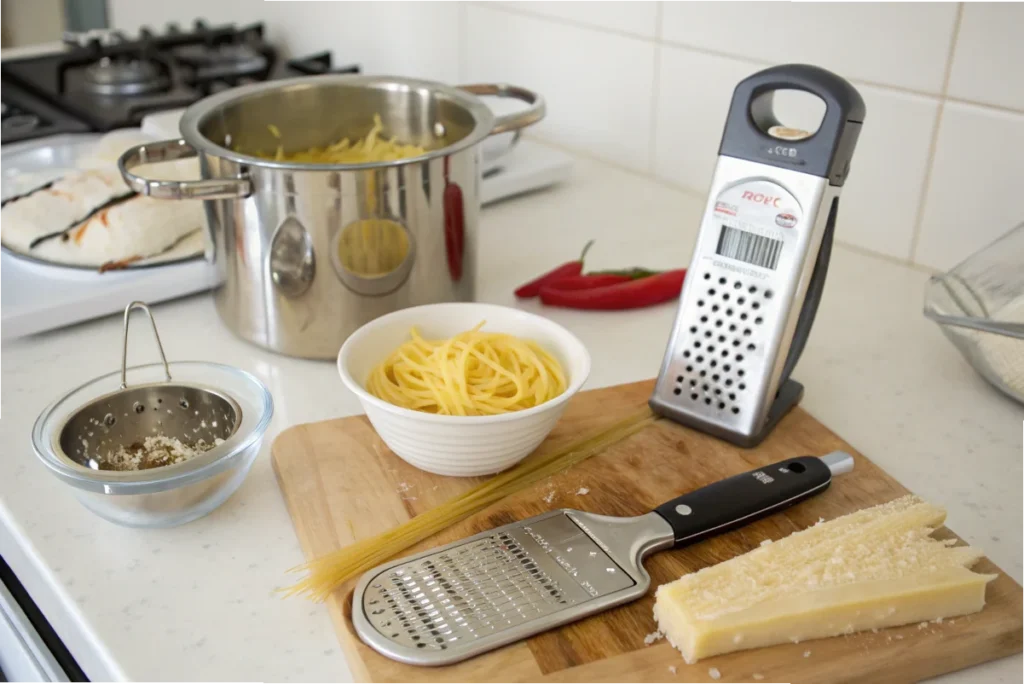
979	306
168	495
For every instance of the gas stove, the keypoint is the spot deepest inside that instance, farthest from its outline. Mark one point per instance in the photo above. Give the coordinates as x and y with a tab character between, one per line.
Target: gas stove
105	80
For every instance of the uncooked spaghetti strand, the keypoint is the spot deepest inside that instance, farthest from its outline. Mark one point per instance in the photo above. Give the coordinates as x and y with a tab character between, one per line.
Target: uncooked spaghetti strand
327	573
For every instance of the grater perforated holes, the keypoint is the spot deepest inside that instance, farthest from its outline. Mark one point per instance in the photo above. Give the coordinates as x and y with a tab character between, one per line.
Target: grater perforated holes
768	294
743	316
696	343
693	329
677	391
686	353
707	333
711	292
679	378
728	312
721	338
707	276
689	369
741	372
752	289
714	308
741	301
700	302
721	281
694	396
700	359
755	305
725	297
703	319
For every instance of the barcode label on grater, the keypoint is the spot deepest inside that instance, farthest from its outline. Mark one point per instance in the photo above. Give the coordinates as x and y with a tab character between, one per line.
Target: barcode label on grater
751	248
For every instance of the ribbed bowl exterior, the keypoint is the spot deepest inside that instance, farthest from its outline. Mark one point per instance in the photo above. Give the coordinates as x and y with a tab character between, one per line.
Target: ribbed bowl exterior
462	450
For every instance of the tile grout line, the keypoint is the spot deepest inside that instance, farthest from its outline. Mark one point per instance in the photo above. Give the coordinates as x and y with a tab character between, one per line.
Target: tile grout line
655	94
661	41
922	200
516	9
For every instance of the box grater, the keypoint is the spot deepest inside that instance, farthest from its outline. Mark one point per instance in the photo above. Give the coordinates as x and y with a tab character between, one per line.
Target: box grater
500	586
759	265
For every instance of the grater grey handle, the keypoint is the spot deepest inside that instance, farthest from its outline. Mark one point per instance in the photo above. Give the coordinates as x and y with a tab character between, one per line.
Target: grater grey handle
124	346
826	153
814	291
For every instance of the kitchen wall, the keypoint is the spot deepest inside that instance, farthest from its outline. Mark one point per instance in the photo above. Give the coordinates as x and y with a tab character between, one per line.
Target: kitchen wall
646	85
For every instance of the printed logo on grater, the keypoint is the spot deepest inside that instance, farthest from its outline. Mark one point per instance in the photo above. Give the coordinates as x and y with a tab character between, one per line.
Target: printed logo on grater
755	217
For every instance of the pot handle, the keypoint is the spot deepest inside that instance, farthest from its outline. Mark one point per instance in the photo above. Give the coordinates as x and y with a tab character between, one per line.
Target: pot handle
516	120
170	150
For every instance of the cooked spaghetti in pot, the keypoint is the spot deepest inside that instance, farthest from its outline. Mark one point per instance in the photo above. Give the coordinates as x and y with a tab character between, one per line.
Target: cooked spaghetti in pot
373	148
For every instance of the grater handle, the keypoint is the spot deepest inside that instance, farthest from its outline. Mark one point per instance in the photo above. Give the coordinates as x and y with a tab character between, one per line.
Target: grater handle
742	499
813	297
826	153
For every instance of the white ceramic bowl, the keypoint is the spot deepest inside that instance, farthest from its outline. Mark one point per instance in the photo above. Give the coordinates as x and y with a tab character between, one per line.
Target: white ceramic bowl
460	445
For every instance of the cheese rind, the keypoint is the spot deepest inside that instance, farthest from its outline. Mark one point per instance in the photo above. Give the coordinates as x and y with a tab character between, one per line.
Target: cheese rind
872	569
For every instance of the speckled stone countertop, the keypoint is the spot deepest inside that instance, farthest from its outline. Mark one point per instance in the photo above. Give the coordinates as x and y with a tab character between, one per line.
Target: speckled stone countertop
196	602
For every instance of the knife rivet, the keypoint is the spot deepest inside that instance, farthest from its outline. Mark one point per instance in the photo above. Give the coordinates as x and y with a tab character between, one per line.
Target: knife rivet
683	509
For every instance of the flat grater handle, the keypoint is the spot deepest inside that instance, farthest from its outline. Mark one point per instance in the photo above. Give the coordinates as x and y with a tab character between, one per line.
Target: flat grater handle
742	499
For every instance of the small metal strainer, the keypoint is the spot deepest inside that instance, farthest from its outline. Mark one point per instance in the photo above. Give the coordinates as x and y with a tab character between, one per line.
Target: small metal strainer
128	416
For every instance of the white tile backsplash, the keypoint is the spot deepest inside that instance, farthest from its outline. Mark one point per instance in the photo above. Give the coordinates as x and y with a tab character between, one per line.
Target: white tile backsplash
647	85
901	44
609	116
989	57
694	90
974	193
428	32
639	18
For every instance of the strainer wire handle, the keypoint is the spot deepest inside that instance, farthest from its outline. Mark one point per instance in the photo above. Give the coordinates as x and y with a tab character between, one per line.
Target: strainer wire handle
124	347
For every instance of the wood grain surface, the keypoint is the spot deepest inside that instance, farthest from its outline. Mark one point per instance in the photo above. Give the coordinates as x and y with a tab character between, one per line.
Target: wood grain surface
341	483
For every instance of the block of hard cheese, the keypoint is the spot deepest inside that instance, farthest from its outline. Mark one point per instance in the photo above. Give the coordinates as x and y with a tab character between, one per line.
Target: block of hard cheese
879	567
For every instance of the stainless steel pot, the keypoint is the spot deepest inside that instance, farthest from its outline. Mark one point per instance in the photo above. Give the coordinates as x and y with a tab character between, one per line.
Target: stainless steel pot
309	252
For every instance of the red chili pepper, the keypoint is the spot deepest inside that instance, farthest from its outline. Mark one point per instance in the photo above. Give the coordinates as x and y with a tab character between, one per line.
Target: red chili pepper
634	294
588	281
570	268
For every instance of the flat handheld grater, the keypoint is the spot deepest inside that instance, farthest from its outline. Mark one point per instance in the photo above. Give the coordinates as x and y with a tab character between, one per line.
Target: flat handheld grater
762	253
503	585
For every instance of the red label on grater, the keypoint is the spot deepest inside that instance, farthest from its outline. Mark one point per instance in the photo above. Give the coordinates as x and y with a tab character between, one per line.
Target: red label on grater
755	218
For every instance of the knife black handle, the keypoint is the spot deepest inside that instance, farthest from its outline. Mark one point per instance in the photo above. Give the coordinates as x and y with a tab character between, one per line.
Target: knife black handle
742	499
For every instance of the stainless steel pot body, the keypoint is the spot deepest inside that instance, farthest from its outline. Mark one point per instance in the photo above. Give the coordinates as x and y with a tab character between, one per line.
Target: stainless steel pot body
307	253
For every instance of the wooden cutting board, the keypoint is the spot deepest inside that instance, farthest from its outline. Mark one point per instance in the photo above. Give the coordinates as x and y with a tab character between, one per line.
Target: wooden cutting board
341	484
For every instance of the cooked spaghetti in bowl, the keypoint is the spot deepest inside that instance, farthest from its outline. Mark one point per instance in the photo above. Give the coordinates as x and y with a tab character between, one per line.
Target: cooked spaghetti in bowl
507	414
473	373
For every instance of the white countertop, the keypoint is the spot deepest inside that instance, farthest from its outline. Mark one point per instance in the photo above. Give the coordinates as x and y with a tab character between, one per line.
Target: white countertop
195	602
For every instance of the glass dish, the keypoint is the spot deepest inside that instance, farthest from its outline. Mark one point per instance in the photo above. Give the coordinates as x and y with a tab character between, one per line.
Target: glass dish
979	306
168	495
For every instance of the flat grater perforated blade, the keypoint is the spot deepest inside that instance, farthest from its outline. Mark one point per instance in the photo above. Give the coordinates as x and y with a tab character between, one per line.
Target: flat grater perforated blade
758	269
454	602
